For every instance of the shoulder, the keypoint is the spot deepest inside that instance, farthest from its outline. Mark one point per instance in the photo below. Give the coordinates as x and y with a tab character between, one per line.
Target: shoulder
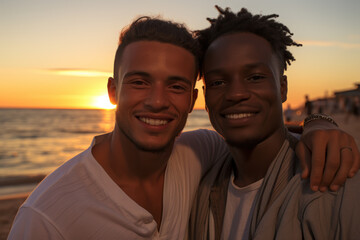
201	140
30	224
59	181
349	196
77	171
349	192
197	151
199	136
332	213
50	203
331	204
204	144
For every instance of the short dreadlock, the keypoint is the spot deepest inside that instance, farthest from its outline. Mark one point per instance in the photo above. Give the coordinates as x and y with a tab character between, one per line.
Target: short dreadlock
277	34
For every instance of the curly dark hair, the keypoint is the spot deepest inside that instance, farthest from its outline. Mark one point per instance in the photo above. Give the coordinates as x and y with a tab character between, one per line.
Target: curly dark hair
277	34
156	29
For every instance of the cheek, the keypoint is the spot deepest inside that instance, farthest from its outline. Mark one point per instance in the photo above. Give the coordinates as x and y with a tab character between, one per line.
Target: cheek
128	97
271	93
213	101
187	103
211	98
273	102
181	102
119	93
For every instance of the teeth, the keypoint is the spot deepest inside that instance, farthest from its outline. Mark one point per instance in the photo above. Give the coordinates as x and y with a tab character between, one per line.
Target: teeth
154	122
239	115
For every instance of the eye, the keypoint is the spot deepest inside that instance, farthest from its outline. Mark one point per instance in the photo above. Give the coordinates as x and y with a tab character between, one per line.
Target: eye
178	88
137	82
215	83
255	77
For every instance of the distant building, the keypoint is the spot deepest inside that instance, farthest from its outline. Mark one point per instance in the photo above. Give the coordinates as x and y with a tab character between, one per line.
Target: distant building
341	101
324	105
352	93
347	96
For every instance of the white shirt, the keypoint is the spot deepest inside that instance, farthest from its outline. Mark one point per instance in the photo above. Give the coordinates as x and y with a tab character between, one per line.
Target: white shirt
239	208
80	201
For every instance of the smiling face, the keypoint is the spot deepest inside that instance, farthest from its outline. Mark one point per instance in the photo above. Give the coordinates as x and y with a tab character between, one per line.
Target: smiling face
244	89
154	94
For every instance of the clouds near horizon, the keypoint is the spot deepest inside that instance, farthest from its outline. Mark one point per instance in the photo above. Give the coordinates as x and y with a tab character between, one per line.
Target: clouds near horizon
344	45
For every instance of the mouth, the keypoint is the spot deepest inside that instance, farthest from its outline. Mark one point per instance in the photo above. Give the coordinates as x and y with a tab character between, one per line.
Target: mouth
153	122
238	115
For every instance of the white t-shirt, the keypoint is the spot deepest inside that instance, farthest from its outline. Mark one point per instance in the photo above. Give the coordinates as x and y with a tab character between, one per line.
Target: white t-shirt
239	208
80	201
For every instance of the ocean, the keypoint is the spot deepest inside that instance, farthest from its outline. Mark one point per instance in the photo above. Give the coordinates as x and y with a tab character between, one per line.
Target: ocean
33	142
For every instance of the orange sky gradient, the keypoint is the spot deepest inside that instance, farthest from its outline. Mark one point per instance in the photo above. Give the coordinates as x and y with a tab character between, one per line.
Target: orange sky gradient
60	54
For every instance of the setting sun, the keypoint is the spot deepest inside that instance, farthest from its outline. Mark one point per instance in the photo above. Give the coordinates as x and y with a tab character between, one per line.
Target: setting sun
103	102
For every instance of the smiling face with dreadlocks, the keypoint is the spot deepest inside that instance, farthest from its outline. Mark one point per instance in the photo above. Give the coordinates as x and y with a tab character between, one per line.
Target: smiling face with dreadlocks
244	60
265	26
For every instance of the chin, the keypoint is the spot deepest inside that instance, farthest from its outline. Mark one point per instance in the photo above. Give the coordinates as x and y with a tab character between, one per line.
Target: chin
243	140
149	147
248	143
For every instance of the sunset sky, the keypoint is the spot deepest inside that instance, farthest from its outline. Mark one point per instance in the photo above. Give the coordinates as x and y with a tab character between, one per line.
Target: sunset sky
59	54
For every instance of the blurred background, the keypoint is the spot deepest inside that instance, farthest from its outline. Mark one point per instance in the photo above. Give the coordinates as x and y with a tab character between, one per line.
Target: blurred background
59	54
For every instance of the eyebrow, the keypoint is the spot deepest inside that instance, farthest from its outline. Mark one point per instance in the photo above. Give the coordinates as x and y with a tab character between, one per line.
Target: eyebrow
170	78
255	65
140	73
247	67
182	79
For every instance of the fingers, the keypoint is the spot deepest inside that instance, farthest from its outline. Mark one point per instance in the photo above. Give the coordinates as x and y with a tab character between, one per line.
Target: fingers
346	157
332	167
356	157
303	153
317	165
342	161
334	157
312	151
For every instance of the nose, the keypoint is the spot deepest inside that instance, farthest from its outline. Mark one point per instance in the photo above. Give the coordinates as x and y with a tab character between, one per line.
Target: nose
237	91
157	99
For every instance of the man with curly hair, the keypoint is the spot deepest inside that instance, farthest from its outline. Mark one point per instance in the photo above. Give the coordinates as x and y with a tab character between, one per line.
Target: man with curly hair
139	180
258	192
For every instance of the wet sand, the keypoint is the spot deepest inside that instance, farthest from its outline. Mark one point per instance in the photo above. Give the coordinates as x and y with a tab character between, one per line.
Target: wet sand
10	204
8	208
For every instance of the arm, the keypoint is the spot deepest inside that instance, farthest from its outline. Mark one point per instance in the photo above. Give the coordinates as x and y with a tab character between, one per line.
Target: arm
29	224
333	155
207	148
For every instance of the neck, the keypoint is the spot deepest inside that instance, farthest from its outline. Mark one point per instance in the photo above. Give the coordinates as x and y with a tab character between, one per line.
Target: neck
139	173
124	161
252	162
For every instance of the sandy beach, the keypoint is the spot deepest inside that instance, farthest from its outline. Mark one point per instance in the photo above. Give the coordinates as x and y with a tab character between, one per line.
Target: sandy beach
8	208
10	204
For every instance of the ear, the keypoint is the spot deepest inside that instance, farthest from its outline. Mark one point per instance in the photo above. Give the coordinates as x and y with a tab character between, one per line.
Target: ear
111	86
283	88
193	100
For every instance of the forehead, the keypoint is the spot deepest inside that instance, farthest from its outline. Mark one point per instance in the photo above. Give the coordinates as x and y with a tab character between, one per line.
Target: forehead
237	49
155	57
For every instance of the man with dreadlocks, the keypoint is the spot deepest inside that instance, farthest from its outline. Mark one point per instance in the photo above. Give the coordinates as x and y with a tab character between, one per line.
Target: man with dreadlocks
258	192
139	180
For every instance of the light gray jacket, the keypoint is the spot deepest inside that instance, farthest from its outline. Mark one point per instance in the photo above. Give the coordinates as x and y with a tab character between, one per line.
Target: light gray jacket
285	207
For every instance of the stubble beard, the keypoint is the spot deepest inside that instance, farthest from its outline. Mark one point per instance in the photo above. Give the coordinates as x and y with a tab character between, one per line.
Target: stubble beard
143	147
